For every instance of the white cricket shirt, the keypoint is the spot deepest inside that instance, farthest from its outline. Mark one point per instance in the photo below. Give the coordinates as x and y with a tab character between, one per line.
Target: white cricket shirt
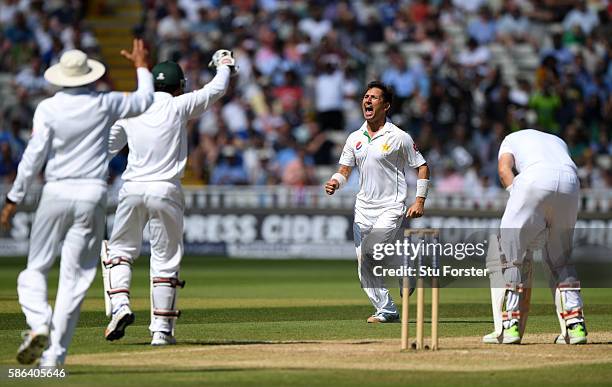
382	162
157	139
70	133
534	149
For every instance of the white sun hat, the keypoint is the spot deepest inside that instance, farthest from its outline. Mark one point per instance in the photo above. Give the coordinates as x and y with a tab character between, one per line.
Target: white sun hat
74	69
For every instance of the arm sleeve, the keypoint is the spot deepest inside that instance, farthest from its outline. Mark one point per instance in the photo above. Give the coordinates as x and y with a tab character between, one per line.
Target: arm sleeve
117	138
126	105
192	105
414	158
505	148
348	155
33	159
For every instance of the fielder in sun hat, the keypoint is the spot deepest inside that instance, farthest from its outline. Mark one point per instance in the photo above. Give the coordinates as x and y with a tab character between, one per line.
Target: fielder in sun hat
74	69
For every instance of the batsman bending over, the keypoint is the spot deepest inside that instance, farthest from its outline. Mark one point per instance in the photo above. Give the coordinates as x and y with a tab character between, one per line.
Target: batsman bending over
152	194
382	152
540	214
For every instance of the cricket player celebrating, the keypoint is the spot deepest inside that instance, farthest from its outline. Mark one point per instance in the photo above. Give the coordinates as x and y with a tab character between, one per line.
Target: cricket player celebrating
70	134
536	169
152	193
382	152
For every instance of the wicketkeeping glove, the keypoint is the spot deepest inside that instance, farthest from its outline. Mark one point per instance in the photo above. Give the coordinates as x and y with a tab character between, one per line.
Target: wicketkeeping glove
224	57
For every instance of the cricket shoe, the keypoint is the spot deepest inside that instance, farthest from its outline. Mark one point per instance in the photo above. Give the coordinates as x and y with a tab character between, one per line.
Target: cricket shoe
509	336
121	319
381	318
576	333
48	363
34	344
162	338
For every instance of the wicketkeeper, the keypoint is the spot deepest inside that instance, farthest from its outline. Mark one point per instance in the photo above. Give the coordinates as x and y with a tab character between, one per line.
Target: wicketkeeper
152	194
536	169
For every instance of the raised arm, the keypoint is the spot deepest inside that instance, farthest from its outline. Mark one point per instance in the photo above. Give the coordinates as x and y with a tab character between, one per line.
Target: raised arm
194	104
132	104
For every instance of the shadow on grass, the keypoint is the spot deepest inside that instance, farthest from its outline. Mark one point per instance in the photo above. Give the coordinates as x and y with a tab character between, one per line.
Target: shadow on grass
214	343
450	313
150	371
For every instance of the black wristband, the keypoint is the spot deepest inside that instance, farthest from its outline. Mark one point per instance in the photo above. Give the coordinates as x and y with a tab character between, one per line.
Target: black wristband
9	201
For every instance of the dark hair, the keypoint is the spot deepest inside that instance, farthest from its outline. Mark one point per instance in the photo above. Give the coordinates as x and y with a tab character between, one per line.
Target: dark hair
387	92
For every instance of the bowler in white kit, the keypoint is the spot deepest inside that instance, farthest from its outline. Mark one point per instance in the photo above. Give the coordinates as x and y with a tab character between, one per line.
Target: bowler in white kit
152	193
535	167
70	134
383	153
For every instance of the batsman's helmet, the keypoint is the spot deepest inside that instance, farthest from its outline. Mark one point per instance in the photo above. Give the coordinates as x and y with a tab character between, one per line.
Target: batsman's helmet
168	76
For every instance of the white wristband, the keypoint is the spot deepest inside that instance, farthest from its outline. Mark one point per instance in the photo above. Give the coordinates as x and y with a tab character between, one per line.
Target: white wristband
421	188
341	179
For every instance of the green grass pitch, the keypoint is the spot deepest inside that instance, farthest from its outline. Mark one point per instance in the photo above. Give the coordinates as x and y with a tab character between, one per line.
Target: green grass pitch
228	302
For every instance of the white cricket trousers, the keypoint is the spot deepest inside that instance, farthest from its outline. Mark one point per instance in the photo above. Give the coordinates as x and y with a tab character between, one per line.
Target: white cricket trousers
541	213
385	221
72	212
161	204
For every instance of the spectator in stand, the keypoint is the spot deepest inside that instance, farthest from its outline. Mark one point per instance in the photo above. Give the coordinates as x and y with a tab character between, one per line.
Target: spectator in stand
319	147
547	72
582	17
546	104
170	30
484	28
451	180
31	78
315	26
469	6
329	95
299	172
21	40
289	94
229	170
402	79
267	58
8	163
474	57
561	53
513	27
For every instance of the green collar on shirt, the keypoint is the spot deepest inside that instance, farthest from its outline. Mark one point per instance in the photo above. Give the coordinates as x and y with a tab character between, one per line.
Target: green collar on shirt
365	133
370	139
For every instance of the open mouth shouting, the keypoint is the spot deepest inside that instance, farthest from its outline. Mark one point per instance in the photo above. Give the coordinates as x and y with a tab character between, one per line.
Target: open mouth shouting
368	111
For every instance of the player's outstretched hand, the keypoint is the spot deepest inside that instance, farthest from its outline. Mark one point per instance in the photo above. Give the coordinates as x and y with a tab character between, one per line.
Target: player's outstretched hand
331	186
224	58
6	215
417	209
139	54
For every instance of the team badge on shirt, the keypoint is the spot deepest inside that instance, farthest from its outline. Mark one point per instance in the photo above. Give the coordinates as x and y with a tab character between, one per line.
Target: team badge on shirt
358	145
386	148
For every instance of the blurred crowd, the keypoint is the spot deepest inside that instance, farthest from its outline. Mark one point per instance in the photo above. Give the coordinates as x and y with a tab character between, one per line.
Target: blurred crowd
33	36
465	73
